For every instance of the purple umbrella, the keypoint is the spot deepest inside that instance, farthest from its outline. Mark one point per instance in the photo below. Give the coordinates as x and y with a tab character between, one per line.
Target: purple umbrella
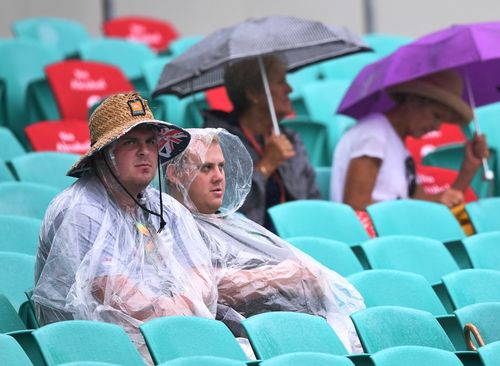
471	49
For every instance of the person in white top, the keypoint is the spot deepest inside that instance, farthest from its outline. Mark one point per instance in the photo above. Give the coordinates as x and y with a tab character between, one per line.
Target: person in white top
371	162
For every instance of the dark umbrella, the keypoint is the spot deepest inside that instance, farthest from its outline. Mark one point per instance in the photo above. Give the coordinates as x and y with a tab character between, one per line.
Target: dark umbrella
299	43
471	49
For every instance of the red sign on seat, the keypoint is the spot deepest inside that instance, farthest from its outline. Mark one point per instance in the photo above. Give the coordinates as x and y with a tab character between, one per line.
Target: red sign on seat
61	136
77	85
435	180
217	98
156	33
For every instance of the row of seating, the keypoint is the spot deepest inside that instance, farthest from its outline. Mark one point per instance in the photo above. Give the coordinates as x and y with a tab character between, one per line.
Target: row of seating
271	335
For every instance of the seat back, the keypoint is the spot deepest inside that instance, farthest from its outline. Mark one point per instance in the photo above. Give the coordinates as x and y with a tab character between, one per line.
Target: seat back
25	199
182	336
490	354
22	62
424	256
382	327
347	67
472	286
381	287
384	44
9	319
152	71
11	147
33	167
6	174
323	219
333	254
217	98
125	55
415	356
70	136
483	250
203	360
484	214
182	44
83	340
155	33
485	316
64	35
323	177
12	354
435	180
276	333
415	217
16	276
19	234
307	359
77	85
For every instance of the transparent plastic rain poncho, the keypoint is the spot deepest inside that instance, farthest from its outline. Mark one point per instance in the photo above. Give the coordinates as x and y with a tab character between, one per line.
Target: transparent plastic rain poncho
257	270
98	260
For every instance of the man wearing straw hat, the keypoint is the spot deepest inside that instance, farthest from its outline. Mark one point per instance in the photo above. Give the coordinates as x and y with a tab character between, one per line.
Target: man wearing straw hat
112	248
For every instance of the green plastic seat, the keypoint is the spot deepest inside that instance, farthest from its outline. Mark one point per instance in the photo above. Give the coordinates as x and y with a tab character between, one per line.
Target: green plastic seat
427	257
41	102
415	356
323	219
472	286
64	35
323	177
22	62
347	67
484	214
484	250
384	44
182	44
381	287
490	354
25	199
19	234
12	354
297	81
382	327
485	316
333	254
6	174
420	218
9	319
275	333
33	167
152	70
16	276
307	359
451	156
203	361
11	147
314	137
83	340
181	336
126	55
3	102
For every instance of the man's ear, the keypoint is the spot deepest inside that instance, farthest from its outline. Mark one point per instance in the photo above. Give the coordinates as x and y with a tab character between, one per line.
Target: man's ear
171	175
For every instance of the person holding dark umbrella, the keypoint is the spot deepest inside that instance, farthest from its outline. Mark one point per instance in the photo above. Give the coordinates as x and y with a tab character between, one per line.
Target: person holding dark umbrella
282	171
371	162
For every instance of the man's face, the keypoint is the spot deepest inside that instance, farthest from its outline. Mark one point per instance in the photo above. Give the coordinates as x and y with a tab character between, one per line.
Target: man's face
136	155
207	189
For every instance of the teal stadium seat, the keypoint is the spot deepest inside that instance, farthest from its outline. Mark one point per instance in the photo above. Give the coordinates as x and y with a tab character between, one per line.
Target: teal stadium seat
182	44
203	361
11	147
16	276
490	354
19	234
484	250
276	333
472	286
484	214
307	359
34	167
297	81
63	35
324	219
314	135
184	336
485	317
25	199
12	354
347	67
415	356
333	254
9	319
83	340
420	218
384	44
323	178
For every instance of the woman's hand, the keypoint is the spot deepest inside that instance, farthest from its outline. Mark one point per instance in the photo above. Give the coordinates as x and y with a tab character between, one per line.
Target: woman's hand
451	197
475	150
277	150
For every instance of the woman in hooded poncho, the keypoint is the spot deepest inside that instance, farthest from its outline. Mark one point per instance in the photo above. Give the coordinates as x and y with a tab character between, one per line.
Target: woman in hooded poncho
257	270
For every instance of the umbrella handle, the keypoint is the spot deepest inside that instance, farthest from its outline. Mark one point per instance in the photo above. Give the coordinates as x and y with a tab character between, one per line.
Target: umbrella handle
270	103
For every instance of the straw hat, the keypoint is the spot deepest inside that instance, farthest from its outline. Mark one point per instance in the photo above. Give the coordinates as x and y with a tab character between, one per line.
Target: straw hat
117	115
445	87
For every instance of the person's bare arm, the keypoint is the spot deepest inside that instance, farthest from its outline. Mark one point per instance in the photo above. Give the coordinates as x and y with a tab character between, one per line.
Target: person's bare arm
360	181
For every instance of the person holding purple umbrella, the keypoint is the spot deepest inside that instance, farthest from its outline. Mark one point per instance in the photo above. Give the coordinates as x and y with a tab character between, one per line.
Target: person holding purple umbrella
371	162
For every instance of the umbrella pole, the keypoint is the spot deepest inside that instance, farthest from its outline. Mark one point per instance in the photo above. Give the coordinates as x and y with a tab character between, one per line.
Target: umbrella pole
487	172
263	74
